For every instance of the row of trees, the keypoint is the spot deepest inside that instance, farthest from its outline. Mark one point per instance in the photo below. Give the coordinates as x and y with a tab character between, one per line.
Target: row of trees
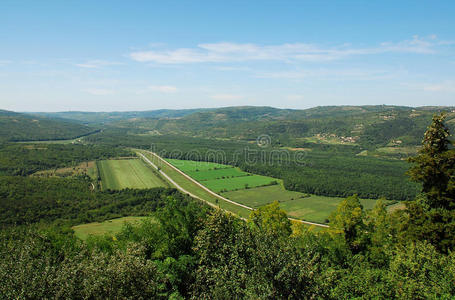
25	159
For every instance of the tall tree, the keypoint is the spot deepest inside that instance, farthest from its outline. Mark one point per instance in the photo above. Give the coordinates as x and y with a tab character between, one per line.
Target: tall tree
435	166
431	216
348	219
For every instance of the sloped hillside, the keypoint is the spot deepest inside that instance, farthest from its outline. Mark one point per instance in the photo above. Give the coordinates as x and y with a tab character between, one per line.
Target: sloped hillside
23	127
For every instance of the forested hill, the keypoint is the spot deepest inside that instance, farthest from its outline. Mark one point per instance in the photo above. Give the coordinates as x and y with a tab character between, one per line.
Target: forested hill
370	127
22	127
367	126
107	117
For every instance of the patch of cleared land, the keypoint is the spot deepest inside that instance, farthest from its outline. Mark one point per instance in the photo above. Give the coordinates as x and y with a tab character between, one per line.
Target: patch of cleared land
194	188
190	165
128	173
88	168
110	227
313	208
216	174
218	177
238	183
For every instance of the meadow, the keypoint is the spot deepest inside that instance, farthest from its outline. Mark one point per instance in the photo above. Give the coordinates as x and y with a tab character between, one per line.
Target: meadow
108	227
128	173
191	165
219	178
298	205
238	183
216	174
194	188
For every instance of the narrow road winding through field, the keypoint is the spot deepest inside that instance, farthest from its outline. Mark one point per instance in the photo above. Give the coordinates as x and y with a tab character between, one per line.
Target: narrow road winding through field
205	188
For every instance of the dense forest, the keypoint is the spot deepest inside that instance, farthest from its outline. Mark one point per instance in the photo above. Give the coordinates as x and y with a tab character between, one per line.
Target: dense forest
22	127
25	159
187	250
330	170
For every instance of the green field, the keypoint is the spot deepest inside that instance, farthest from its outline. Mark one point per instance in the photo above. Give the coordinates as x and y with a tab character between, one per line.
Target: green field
195	189
216	174
110	227
128	173
238	183
211	175
190	165
313	208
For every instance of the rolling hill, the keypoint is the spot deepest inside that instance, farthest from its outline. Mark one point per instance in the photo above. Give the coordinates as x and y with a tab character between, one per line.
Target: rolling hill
23	127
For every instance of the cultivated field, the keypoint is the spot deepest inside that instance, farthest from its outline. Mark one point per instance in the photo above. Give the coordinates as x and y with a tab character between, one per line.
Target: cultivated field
219	177
110	227
313	208
216	174
194	188
190	165
128	173
238	183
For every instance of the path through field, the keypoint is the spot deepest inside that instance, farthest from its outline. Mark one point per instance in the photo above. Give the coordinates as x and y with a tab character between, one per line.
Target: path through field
205	188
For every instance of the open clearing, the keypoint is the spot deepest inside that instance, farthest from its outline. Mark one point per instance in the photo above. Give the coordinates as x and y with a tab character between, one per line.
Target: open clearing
194	188
88	168
238	183
216	174
313	208
211	175
190	165
110	227
128	173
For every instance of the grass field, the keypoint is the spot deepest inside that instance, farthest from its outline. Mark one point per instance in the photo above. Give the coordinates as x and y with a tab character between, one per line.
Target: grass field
128	173
216	174
189	165
313	208
195	189
211	175
110	227
238	183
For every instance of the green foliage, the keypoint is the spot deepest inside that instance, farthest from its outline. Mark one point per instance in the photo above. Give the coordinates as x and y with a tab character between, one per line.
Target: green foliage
23	127
431	217
30	200
25	159
272	219
435	166
349	220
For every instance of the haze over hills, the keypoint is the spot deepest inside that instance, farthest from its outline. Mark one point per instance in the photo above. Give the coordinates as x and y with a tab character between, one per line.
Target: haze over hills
367	126
22	127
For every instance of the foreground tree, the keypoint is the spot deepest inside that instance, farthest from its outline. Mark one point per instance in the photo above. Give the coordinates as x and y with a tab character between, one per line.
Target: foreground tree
348	220
431	216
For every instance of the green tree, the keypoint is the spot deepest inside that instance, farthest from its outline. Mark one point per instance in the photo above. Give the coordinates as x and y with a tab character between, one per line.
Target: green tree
271	219
431	216
435	166
348	220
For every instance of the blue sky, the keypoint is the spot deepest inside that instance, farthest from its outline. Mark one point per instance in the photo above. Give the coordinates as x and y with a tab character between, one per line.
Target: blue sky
141	55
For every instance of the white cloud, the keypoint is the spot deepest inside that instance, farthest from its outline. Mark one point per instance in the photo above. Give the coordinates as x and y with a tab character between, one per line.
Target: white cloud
445	86
163	88
95	64
100	92
234	52
226	97
333	74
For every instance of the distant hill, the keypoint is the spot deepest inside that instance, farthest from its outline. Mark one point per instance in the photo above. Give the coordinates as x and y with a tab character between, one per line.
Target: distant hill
107	117
23	127
368	126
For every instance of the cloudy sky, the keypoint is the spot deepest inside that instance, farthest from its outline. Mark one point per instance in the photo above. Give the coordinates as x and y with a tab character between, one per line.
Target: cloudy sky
141	55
